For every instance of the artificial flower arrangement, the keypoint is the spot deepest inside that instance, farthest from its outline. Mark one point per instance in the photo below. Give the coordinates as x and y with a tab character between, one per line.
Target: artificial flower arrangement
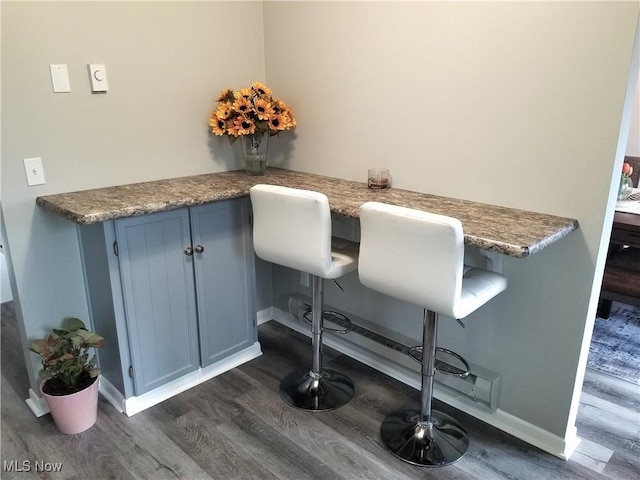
249	111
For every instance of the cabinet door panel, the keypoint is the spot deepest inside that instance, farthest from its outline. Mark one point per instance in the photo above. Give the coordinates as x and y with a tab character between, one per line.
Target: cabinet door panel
225	278
159	295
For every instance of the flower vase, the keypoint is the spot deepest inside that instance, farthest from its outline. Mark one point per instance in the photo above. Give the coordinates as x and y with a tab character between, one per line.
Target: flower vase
254	149
626	187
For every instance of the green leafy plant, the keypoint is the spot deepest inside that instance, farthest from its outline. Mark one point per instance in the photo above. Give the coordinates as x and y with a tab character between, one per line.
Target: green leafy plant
65	357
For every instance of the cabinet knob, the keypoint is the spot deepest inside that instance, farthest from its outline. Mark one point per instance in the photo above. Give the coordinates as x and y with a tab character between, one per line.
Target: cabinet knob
188	251
199	249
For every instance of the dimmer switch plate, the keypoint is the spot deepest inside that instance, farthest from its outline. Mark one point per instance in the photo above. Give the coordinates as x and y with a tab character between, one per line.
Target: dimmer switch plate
98	77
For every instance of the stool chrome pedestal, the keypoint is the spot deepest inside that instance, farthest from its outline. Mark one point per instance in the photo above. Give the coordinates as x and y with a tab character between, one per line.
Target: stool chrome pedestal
425	437
317	389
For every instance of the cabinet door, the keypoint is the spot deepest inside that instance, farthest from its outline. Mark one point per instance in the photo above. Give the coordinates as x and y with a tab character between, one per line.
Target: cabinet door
225	278
159	296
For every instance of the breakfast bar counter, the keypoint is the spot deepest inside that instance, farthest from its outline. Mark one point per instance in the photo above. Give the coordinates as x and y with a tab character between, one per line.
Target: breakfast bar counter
508	231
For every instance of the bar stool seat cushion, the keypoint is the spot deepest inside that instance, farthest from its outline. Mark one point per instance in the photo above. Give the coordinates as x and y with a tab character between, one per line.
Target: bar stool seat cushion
292	228
478	287
344	257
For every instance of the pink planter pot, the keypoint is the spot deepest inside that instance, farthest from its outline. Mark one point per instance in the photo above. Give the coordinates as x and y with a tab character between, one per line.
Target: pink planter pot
74	413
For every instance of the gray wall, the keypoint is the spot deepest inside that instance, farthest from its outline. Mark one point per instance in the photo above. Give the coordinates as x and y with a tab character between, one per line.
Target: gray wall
511	103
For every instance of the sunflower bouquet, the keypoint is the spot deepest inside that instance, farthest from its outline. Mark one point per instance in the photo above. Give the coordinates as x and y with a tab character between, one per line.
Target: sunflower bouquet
250	111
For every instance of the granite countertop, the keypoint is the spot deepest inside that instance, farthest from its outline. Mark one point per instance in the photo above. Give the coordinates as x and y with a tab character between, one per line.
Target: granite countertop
509	231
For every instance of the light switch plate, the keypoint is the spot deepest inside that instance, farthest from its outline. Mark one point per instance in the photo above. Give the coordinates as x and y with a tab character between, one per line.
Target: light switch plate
98	77
34	171
60	78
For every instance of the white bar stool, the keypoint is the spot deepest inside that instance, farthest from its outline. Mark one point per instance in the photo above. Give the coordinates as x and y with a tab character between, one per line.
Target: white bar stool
292	227
418	257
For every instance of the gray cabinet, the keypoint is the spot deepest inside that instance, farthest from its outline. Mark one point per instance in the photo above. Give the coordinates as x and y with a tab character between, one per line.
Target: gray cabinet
173	292
225	278
159	296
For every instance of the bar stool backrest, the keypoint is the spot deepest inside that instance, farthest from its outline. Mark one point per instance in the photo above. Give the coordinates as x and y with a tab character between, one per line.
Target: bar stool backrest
412	255
292	227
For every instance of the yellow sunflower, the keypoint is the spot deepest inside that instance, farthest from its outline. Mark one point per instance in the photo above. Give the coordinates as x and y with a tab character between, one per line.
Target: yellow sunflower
242	125
261	89
242	105
224	110
243	93
277	122
218	125
262	108
288	119
279	105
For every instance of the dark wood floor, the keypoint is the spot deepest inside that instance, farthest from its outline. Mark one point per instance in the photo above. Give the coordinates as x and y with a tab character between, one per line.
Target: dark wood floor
236	427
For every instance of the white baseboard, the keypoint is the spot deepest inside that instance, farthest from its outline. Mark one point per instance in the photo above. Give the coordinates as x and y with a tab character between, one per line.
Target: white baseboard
37	404
131	406
532	434
265	315
112	395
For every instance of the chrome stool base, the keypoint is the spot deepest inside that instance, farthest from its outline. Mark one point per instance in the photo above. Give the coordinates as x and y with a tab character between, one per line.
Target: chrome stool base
331	390
442	444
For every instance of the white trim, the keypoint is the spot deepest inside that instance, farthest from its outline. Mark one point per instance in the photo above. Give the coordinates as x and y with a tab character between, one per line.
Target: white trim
532	434
131	406
264	315
37	404
112	395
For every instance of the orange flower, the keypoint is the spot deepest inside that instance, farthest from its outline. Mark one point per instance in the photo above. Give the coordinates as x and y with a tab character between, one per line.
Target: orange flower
218	125
289	119
243	93
281	107
627	169
261	90
242	105
224	110
242	125
262	108
277	122
278	105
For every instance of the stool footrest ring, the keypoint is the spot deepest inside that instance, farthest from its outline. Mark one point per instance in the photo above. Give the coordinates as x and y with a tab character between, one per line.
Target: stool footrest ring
333	317
442	366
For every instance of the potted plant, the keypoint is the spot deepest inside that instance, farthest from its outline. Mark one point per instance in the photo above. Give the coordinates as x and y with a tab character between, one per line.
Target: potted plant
252	114
70	385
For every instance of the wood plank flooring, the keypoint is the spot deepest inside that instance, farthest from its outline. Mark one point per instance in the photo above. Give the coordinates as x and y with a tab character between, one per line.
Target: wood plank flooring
236	427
